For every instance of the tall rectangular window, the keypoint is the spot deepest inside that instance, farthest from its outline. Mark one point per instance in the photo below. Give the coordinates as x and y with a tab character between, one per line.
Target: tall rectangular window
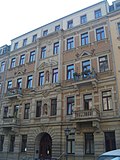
16	46
103	63
45	33
70	43
85	68
84	38
19	83
22	59
71	143
119	29
1	142
15	112
41	78
2	68
27	111
24	42
38	108
89	143
32	56
9	85
110	143
55	75
70	71
57	28
34	38
43	52
83	19
5	112
98	14
88	101
29	81
56	48
13	62
12	143
70	105
100	34
24	143
70	24
53	107
107	100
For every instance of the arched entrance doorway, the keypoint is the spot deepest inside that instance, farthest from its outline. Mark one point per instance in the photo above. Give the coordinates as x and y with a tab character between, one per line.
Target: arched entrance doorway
45	146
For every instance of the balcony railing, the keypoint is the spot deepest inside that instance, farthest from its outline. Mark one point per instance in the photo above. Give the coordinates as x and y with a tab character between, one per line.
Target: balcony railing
8	121
86	114
89	74
14	92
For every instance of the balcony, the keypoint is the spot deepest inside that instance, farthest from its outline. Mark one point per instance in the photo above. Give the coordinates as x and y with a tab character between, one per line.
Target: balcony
86	115
14	93
89	76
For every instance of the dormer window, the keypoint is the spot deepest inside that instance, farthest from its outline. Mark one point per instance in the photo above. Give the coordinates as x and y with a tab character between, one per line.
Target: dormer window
98	14
45	33
25	42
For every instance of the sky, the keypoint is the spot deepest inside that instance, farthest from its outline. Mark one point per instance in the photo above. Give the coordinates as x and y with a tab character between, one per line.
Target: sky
21	16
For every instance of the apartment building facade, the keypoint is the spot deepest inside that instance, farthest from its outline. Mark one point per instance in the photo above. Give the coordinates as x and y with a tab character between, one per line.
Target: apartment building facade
59	94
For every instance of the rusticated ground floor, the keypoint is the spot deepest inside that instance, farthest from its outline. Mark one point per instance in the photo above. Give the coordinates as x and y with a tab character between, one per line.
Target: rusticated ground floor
81	141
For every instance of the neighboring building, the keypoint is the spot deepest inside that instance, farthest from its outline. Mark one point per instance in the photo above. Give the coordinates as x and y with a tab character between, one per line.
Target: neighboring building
61	88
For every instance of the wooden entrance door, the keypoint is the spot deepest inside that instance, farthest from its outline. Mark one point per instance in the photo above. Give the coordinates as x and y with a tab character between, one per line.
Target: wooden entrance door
45	147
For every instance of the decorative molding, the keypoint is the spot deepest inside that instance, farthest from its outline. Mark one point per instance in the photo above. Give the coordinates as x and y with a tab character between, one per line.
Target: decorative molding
50	63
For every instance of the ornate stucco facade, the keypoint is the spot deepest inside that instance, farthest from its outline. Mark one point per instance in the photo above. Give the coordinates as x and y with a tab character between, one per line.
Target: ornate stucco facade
63	76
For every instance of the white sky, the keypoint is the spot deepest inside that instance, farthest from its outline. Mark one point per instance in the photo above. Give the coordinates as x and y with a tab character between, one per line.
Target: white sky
20	16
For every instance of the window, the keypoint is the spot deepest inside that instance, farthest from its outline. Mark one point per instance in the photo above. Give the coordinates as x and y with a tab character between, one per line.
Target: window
12	143
24	42
24	143
0	87
100	35
70	24
5	112
118	5
70	105
57	28
13	63
89	143
15	113
103	63
70	43
2	66
84	38
1	142
43	52
19	83
41	78
85	68
34	38
98	14
55	75
107	100
22	59
70	71
29	81
32	56
26	111
16	46
119	29
71	143
83	19
53	107
110	143
38	108
56	48
87	101
45	33
9	84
